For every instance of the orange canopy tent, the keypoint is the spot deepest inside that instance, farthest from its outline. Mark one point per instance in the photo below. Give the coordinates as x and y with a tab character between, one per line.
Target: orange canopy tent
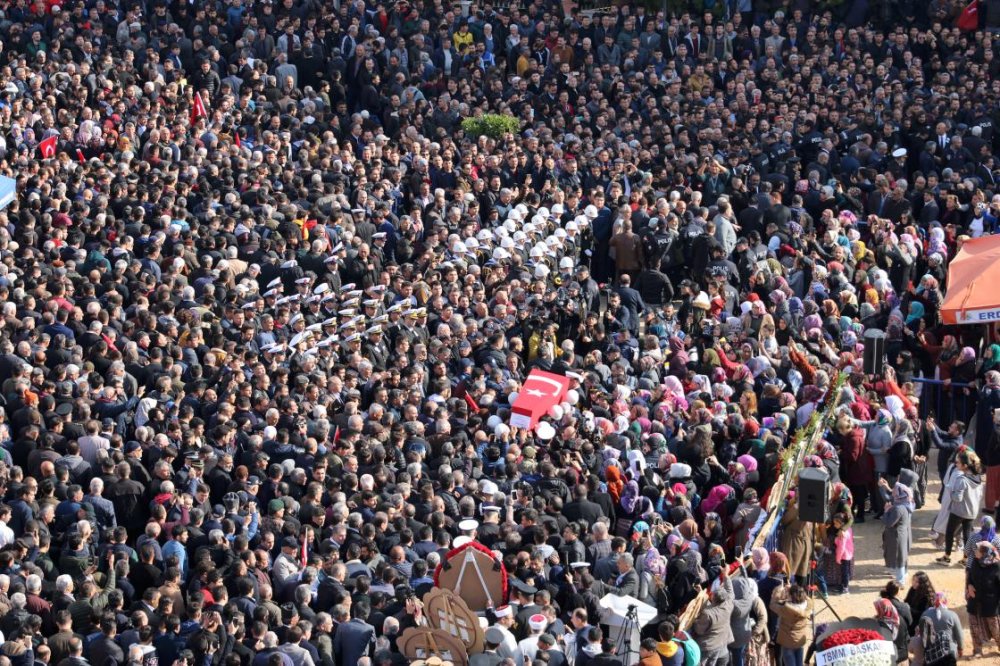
974	284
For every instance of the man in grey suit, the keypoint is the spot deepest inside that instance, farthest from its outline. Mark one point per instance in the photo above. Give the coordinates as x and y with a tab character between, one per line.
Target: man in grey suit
354	639
627	582
293	648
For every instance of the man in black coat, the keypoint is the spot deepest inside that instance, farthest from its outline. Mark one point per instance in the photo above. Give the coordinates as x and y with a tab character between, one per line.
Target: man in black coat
582	509
103	649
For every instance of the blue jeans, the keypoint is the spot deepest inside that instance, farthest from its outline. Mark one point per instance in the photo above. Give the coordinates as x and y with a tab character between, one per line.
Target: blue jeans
792	656
821	577
736	656
900	575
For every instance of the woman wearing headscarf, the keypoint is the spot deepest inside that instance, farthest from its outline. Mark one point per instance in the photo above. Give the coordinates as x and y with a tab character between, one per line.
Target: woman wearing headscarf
831	461
988	437
896	536
929	293
927	644
943	355
982	595
857	467
962	398
878	441
887	617
682	573
904	617
777	577
945	621
796	540
615	482
904	258
987	533
991	360
745	517
913	315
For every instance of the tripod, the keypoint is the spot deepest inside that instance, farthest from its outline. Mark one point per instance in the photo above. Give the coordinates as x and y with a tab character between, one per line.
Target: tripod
630	627
811	587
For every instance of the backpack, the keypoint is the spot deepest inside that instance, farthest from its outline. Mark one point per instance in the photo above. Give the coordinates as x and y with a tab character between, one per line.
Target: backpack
939	649
692	651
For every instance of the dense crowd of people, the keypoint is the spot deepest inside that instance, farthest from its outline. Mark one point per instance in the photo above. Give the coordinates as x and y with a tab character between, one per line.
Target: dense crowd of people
267	300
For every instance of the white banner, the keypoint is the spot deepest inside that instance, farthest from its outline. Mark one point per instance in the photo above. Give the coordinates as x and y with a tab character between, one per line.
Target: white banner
872	653
986	316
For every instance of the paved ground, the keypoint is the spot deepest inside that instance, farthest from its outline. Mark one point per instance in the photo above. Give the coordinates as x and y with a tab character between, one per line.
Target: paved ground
871	574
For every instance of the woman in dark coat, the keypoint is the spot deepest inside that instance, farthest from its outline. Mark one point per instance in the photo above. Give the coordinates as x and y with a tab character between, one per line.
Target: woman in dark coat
902	640
919	597
778	576
857	467
987	440
983	597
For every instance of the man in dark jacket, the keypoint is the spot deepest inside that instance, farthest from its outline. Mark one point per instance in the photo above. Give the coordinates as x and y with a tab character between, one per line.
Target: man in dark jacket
103	649
354	639
946	441
654	286
582	509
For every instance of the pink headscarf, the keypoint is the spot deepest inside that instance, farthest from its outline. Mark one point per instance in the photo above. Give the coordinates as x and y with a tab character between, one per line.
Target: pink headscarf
716	496
748	461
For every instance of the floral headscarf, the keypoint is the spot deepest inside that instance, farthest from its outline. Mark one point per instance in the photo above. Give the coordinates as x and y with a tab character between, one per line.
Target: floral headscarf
826	451
887	613
655	563
993	379
991	552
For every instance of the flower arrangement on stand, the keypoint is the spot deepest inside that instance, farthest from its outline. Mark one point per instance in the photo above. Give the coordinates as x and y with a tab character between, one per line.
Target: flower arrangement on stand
850	637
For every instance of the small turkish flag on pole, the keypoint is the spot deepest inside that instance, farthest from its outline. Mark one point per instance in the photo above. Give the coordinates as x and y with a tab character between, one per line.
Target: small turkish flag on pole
236	139
79	156
198	108
48	147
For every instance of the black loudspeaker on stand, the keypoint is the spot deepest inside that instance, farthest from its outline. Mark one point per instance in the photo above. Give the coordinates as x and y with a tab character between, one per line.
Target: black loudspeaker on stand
814	493
874	359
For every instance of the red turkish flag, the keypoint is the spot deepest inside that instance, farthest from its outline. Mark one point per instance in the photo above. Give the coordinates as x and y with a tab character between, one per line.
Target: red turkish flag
236	139
198	108
968	20
79	156
48	147
541	390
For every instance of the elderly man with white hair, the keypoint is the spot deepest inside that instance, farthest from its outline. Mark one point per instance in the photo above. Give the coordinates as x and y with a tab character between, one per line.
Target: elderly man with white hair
35	604
104	510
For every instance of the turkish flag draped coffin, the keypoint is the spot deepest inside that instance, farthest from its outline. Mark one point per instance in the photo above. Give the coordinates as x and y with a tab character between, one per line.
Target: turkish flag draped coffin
540	392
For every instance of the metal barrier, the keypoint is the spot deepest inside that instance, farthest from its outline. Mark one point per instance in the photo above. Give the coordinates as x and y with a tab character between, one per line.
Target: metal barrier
946	401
